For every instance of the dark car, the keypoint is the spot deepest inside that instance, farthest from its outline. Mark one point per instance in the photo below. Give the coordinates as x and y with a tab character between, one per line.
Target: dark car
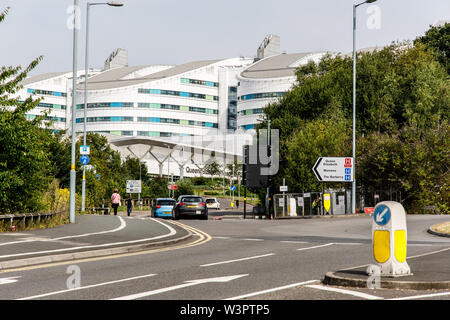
192	206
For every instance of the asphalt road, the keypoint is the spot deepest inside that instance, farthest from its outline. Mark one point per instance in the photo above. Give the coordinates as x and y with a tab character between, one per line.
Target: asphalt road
229	259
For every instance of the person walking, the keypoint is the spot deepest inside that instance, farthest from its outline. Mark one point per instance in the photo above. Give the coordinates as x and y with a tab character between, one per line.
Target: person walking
130	204
115	201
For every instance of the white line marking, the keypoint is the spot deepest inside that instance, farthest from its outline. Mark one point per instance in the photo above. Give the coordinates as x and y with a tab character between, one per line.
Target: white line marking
221	237
424	296
250	239
87	287
343	291
294	241
171	232
121	226
321	246
237	260
9	280
272	290
184	285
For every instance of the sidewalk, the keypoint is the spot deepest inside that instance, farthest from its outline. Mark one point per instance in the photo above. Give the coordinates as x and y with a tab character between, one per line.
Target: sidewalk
90	236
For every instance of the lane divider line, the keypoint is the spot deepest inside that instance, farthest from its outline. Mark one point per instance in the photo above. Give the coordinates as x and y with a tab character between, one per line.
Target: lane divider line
315	247
237	260
272	290
87	287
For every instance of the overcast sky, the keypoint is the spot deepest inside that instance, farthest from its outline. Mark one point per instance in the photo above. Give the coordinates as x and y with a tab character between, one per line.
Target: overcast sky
179	31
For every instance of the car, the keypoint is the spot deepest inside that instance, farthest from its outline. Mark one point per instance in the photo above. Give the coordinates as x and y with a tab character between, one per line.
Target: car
190	205
212	203
163	207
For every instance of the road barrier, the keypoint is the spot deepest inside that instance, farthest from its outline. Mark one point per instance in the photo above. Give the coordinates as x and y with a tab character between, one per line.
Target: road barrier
23	217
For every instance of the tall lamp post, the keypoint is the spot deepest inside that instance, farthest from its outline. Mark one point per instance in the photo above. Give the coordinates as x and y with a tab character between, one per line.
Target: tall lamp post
74	91
354	104
89	4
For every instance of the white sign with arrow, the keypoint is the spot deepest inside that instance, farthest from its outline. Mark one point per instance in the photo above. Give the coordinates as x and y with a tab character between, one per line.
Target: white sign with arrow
334	169
184	285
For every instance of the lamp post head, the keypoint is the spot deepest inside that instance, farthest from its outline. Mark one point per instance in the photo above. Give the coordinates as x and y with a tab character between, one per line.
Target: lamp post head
370	1
117	3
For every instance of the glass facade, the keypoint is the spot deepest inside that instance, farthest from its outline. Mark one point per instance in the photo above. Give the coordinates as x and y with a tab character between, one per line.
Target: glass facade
200	82
179	94
107	105
47	92
261	95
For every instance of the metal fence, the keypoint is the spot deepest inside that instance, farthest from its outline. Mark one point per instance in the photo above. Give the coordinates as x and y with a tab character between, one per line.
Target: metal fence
301	204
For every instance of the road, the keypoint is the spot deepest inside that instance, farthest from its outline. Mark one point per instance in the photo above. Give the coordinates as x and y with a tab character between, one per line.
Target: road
228	259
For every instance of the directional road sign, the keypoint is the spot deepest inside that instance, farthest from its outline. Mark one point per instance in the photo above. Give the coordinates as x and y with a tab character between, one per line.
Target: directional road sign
232	188
334	169
134	186
84	160
382	215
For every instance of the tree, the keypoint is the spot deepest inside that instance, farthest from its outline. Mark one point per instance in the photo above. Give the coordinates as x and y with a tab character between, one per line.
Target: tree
438	40
24	160
402	112
212	168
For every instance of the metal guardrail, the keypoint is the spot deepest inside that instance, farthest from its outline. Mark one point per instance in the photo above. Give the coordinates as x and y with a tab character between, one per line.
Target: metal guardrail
24	216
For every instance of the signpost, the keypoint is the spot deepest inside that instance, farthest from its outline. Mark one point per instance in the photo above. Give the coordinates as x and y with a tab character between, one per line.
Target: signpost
134	186
84	160
85	150
334	169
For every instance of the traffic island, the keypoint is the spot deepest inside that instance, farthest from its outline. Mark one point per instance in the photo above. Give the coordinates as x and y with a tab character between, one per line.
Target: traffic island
441	229
429	272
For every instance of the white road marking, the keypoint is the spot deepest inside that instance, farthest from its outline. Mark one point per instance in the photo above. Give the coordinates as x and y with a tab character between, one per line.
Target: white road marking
9	280
86	287
237	260
221	237
186	284
431	295
294	241
32	239
271	290
344	291
172	231
251	239
315	247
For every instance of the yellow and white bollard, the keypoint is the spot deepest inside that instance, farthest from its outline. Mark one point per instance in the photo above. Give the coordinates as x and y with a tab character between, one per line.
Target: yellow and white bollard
389	240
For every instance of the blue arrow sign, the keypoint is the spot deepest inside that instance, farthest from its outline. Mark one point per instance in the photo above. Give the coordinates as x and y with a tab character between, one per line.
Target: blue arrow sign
382	215
84	160
232	188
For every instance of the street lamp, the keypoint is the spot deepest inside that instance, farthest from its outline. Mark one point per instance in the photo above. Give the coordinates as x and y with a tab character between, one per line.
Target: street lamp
89	4
354	104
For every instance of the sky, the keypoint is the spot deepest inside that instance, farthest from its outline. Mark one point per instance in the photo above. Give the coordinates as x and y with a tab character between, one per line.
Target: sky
179	31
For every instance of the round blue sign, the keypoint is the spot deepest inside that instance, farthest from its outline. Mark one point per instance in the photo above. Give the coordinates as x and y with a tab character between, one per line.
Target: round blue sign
232	188
382	215
84	160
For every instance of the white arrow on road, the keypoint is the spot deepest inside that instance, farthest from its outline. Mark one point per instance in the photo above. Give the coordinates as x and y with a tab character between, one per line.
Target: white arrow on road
379	217
8	280
186	284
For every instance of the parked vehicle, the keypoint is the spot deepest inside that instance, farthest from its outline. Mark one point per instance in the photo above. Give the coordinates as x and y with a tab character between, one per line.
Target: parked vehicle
163	207
190	205
212	203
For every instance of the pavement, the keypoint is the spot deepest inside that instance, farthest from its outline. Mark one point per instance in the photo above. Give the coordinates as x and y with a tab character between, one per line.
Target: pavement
90	236
104	235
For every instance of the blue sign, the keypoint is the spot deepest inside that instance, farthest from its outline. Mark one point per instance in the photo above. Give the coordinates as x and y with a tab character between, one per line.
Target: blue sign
348	170
97	176
84	160
382	215
232	188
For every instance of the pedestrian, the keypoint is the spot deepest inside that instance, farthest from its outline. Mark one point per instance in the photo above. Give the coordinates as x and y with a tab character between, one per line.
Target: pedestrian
315	206
130	204
115	201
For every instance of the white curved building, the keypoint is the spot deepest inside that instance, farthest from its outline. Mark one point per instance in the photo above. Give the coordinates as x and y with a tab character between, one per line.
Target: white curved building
265	81
161	101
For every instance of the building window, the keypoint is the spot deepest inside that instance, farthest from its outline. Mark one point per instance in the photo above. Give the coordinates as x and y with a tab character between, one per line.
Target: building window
200	82
262	95
179	94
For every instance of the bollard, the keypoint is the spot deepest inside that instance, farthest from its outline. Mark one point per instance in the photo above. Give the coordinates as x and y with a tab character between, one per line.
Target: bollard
389	240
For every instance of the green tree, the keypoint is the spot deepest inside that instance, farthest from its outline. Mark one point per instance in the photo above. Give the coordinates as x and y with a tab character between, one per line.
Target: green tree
438	40
24	161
